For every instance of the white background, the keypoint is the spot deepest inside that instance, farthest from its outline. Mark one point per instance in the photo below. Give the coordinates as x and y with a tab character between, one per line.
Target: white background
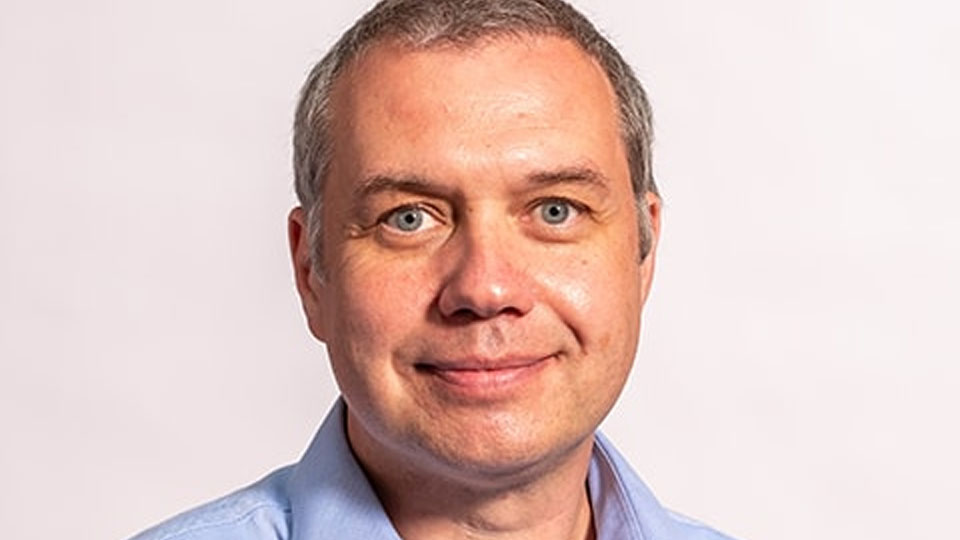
799	363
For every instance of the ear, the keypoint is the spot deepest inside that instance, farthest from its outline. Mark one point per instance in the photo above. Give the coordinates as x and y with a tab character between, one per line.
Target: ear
309	285
653	207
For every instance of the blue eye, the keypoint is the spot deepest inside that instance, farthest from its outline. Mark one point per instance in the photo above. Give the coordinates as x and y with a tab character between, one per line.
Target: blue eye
555	211
406	219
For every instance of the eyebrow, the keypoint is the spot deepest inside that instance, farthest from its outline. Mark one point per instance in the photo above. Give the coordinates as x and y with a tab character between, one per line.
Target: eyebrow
571	175
414	183
410	183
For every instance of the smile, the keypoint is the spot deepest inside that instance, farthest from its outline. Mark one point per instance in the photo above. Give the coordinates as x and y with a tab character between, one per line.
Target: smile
484	378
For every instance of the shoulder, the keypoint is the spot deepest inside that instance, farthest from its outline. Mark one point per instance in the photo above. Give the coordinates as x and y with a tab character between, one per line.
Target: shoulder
636	513
694	530
260	511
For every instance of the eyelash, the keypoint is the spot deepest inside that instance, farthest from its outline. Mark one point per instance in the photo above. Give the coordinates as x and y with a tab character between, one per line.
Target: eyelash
384	219
577	209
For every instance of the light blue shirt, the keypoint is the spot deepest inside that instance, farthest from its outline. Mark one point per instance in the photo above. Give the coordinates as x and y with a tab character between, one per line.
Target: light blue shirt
326	496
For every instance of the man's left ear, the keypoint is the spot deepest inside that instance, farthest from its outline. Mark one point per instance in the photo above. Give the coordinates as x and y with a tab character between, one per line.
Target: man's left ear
309	285
653	206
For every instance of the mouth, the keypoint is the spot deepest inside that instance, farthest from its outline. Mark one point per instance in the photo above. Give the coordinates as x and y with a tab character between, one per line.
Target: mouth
484	376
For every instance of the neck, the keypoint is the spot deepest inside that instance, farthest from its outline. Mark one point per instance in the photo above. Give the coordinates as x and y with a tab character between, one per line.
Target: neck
549	502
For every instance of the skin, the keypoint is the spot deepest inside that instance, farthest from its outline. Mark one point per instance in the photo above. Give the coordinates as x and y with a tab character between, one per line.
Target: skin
482	282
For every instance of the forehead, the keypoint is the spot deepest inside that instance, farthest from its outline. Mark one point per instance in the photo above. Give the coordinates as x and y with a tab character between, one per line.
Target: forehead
516	94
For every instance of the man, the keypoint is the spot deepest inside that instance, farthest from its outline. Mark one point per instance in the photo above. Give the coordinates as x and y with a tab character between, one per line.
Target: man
476	240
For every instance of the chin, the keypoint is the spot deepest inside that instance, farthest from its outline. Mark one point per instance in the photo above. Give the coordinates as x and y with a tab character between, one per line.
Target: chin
505	454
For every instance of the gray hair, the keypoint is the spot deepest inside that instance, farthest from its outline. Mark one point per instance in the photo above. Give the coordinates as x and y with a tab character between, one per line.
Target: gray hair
421	24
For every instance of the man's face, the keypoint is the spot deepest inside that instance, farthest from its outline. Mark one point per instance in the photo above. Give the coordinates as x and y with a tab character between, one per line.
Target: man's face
481	287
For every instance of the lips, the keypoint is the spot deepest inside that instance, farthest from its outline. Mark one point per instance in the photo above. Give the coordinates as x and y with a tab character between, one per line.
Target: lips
483	364
484	374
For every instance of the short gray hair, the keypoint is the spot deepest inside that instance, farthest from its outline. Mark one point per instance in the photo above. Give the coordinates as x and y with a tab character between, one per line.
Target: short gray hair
421	24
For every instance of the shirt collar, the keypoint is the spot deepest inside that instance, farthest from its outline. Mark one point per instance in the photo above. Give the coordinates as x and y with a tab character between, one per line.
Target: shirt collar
329	492
624	508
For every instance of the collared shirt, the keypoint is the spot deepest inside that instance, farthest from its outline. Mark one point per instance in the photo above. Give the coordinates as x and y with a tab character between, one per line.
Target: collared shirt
326	496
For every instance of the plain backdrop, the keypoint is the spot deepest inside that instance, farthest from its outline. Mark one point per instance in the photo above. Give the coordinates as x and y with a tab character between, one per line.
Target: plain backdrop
798	370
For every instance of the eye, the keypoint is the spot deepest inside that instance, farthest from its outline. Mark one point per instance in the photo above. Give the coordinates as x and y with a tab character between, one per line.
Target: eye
557	211
409	219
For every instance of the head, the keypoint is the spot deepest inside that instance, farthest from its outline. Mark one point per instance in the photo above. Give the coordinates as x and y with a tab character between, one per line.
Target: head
461	23
477	233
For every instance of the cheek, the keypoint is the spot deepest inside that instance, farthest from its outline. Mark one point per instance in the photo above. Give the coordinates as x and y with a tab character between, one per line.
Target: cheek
377	307
570	288
379	301
597	296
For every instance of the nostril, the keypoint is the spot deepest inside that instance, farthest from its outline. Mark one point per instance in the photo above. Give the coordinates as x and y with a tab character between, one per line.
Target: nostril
463	316
466	315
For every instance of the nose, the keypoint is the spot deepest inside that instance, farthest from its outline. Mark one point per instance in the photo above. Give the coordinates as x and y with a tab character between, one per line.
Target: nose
488	276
